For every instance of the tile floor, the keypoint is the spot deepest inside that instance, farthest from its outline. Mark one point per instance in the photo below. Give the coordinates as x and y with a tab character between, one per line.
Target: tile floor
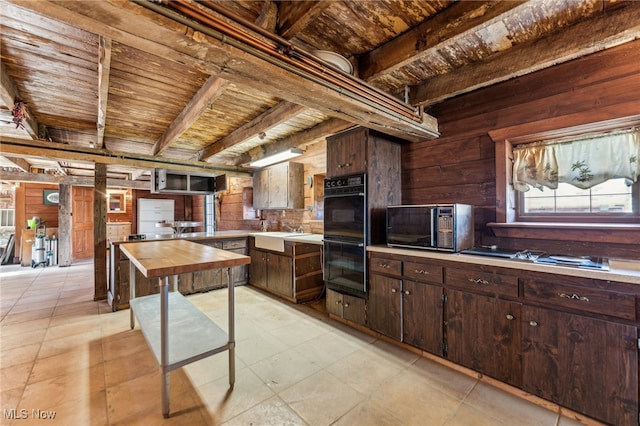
64	356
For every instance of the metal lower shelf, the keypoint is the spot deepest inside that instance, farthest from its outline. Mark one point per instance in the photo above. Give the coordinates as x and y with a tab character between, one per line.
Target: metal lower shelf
192	335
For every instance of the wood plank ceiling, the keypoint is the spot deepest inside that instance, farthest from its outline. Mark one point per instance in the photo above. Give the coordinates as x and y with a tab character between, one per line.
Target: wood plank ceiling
214	84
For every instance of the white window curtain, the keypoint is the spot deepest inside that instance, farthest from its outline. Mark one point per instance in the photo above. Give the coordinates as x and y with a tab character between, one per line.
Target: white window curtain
583	163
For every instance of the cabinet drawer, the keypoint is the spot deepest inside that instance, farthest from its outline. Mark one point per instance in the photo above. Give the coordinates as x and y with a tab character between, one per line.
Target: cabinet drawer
234	244
423	272
386	266
581	298
483	282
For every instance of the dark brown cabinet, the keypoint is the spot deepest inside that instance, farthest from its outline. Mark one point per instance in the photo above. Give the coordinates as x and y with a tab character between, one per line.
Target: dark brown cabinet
422	316
345	306
589	365
483	333
295	274
383	306
279	187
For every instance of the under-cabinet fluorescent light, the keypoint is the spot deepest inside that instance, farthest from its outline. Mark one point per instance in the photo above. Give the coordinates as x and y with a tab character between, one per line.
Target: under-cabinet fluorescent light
276	158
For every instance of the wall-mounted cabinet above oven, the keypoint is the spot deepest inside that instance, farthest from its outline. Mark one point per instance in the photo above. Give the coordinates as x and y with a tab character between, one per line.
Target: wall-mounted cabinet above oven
179	182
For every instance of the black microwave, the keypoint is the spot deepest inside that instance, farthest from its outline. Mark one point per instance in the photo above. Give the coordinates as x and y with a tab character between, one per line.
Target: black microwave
445	227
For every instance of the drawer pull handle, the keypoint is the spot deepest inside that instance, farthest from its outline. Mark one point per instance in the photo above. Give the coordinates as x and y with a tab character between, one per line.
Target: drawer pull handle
346	305
343	165
407	292
510	317
421	271
384	265
393	290
478	281
533	323
574	297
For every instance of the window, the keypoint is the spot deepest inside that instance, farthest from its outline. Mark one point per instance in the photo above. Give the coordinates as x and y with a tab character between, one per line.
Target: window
581	180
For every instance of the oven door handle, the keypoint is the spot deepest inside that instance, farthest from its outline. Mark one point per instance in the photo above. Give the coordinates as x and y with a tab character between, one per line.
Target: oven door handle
354	194
344	243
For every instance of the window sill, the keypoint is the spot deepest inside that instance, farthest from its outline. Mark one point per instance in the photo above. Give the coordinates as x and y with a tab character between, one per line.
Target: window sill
620	233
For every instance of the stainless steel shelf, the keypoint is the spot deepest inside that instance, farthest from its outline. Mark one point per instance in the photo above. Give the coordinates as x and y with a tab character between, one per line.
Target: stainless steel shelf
192	335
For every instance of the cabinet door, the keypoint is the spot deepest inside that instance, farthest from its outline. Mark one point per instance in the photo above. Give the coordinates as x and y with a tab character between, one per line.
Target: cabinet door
334	303
483	334
278	185
261	189
280	274
384	305
588	365
353	309
346	153
422	319
258	268
207	280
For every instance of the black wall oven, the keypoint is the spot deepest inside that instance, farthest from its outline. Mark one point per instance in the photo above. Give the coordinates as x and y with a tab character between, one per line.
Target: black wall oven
345	224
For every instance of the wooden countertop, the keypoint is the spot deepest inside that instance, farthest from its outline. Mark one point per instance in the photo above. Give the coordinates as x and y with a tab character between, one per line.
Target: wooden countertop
171	257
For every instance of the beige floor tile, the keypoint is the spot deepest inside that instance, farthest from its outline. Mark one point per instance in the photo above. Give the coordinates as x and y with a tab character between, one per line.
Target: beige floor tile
327	348
467	415
258	348
299	332
128	367
211	368
22	354
124	343
18	317
15	376
367	413
186	409
224	403
321	399
22	339
17	328
77	327
284	369
68	343
91	410
9	400
79	358
447	380
507	407
272	412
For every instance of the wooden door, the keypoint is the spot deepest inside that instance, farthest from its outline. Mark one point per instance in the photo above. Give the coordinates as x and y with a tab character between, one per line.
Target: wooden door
346	153
422	316
82	222
384	305
588	365
483	333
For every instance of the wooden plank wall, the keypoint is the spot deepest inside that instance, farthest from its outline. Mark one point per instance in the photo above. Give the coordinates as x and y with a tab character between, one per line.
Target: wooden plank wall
460	165
30	203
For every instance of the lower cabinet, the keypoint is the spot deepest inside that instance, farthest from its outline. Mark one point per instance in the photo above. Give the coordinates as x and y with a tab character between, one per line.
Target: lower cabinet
586	364
383	306
483	333
422	316
295	274
345	306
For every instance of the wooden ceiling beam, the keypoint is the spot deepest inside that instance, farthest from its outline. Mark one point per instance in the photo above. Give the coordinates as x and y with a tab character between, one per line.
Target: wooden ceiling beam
104	71
19	163
212	89
53	150
297	140
294	16
613	27
140	25
71	180
8	94
428	36
274	116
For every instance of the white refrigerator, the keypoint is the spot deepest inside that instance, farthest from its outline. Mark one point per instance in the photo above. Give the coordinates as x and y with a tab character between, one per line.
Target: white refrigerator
152	211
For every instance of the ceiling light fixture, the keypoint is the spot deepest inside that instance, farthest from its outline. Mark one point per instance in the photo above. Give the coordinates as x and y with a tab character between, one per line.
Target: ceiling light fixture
276	158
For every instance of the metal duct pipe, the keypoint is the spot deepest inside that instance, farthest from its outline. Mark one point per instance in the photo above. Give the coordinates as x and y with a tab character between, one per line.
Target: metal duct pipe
283	54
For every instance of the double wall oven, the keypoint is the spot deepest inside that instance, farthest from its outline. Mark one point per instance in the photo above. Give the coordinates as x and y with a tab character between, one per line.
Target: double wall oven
345	235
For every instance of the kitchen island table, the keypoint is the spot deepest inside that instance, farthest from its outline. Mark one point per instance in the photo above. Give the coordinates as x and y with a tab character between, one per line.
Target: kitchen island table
177	332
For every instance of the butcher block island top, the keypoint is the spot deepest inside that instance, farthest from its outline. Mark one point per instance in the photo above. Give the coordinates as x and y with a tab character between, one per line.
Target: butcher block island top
172	257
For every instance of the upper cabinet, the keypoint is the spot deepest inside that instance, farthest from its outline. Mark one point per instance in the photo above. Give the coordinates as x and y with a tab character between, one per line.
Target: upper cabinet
362	150
279	187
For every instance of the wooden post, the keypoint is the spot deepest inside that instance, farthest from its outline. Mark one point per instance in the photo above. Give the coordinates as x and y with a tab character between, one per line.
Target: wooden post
100	232
64	225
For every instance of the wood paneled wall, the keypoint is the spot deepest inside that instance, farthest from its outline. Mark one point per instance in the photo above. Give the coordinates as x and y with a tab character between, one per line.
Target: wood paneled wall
29	202
460	165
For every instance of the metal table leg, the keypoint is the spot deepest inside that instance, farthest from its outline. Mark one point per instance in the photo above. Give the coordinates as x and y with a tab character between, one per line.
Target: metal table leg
232	331
132	293
164	343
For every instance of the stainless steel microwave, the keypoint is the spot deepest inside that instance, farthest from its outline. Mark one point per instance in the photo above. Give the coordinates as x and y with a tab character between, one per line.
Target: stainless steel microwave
445	227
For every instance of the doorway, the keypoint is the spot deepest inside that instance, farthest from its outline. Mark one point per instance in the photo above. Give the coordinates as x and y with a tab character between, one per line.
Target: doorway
81	222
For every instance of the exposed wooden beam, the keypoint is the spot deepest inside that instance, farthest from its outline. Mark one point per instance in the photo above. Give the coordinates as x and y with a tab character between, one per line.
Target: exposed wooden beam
261	124
139	25
297	140
268	17
294	16
8	93
72	180
212	89
104	71
136	174
20	163
429	35
100	232
612	28
68	152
